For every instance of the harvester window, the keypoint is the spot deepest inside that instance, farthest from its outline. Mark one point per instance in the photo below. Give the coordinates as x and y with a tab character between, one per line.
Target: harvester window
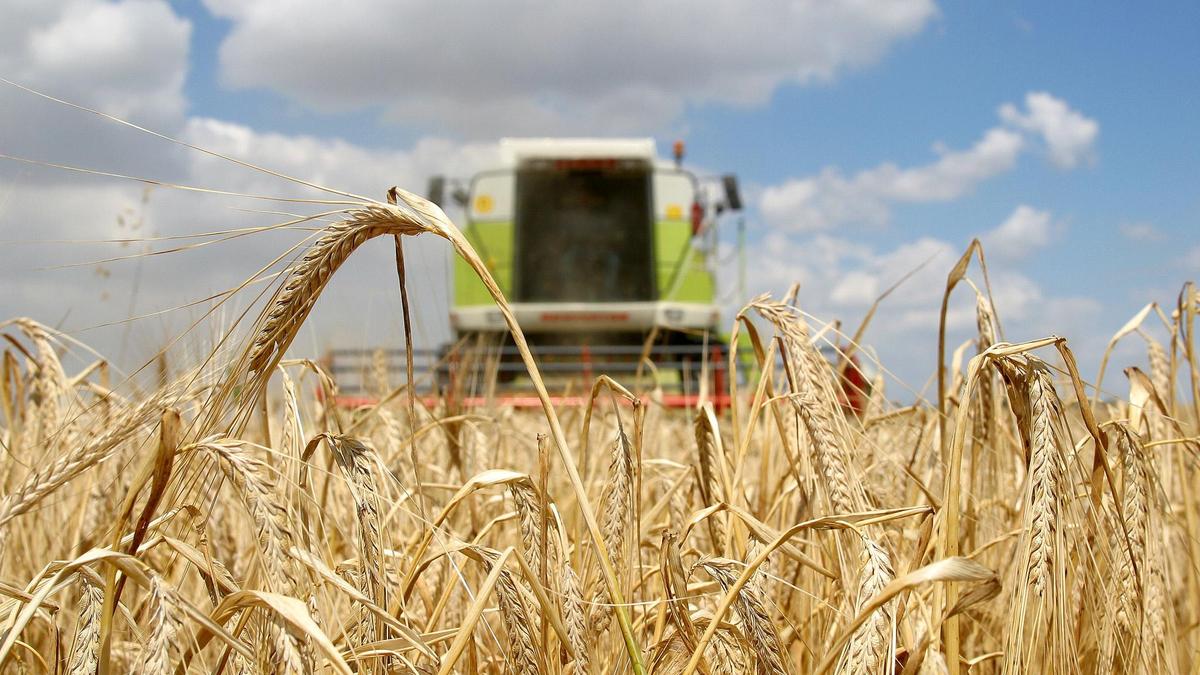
584	234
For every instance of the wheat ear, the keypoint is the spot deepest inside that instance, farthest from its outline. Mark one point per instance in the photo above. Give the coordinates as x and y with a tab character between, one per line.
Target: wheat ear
615	522
165	624
810	381
571	602
869	647
518	622
85	651
252	479
354	459
756	621
1045	476
299	292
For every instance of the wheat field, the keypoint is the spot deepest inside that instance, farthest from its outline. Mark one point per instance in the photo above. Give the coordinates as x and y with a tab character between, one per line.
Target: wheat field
235	520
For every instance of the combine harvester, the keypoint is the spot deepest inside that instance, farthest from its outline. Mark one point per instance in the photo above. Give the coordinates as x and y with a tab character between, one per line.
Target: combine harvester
608	255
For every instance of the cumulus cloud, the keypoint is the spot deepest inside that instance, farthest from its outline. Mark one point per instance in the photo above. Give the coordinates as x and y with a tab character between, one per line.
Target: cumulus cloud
492	68
1024	231
844	277
1069	136
1140	231
1191	259
126	58
831	199
333	162
856	288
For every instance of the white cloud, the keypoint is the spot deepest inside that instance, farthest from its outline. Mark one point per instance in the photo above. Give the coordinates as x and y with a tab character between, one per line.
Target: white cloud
1069	136
822	202
856	288
126	58
1141	231
840	273
1191	259
491	68
332	162
830	199
1025	230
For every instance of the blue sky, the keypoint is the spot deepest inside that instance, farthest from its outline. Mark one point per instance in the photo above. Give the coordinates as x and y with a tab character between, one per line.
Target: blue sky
858	129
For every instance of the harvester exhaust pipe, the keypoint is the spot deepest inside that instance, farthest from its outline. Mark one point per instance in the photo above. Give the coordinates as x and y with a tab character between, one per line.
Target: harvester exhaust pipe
436	191
733	195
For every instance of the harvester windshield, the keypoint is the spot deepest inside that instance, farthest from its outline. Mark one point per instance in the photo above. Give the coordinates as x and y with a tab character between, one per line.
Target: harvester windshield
583	231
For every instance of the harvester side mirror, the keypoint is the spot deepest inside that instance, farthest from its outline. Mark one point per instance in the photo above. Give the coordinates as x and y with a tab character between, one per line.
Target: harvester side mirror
436	192
460	197
733	196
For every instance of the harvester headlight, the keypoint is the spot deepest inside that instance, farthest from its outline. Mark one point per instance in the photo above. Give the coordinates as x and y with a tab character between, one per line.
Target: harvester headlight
673	315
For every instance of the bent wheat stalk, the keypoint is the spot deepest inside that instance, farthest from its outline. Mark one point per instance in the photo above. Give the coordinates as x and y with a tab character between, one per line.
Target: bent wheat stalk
278	325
